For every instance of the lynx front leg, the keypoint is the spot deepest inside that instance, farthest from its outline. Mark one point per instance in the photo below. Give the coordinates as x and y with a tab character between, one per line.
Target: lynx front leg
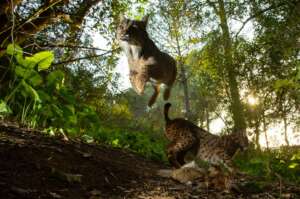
138	81
155	94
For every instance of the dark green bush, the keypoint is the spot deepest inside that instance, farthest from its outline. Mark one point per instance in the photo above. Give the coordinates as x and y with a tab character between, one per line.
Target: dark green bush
272	164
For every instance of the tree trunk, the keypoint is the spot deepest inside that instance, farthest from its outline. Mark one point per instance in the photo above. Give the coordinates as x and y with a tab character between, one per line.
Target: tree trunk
186	92
265	130
257	134
207	119
285	130
236	105
183	80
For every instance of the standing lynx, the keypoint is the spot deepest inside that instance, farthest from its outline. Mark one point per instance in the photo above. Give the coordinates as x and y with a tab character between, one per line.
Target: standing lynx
146	62
185	136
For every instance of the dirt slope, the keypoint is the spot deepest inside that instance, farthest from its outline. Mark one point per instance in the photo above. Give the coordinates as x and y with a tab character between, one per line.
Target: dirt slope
35	166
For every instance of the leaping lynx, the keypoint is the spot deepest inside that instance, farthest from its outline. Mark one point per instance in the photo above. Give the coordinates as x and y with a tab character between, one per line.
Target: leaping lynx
146	62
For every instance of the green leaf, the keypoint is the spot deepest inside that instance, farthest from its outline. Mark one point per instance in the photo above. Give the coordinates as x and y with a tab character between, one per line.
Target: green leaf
28	62
4	108
296	156
22	72
30	75
71	108
45	97
43	59
57	110
293	165
14	49
56	79
115	142
35	79
67	96
283	84
31	91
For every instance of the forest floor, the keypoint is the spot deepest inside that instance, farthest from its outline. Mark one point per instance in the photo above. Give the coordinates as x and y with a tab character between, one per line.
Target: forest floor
33	165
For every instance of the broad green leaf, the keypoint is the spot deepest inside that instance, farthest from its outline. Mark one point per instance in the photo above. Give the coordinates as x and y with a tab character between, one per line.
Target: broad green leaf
14	49
72	119
296	156
30	75
72	130
293	165
4	108
283	83
71	108
56	78
57	110
29	62
67	96
31	91
22	72
43	59
45	97
115	142
35	79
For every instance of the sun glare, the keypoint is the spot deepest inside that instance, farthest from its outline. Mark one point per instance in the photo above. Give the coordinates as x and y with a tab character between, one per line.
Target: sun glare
252	100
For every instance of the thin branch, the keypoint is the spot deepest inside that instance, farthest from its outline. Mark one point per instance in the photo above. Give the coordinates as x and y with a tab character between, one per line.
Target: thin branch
13	21
70	46
256	15
212	4
87	57
35	15
39	12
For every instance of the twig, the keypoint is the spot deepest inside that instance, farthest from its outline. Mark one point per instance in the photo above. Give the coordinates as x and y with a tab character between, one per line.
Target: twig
70	46
32	17
255	15
280	184
87	57
13	21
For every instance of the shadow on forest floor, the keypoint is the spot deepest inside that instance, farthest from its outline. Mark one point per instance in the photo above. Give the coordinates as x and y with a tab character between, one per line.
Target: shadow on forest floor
37	166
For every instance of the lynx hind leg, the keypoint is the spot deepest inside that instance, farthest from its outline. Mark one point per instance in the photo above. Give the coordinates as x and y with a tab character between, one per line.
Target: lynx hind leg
155	94
177	151
170	82
172	156
167	92
168	88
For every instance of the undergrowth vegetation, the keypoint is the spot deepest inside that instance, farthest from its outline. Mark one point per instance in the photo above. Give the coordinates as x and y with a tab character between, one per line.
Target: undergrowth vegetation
145	143
275	164
38	96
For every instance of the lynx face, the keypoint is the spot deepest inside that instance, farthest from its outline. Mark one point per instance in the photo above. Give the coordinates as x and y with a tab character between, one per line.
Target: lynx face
132	32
